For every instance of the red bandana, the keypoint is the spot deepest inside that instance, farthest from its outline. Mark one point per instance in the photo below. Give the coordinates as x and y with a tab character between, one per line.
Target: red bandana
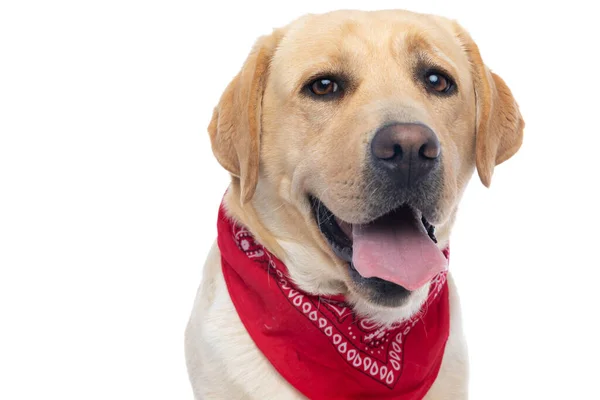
317	343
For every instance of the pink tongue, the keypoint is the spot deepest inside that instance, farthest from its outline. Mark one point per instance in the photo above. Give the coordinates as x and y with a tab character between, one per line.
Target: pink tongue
397	249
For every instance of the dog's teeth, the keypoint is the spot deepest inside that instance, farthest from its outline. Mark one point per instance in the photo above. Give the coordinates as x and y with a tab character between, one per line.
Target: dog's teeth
431	233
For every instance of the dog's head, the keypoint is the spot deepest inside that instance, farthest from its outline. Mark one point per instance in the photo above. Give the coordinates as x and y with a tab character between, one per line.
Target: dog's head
350	137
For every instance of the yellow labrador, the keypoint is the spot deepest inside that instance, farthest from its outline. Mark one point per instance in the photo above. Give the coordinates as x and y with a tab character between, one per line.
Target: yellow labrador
372	120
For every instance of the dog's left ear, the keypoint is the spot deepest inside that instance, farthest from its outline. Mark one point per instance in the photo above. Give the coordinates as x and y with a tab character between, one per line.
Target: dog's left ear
235	127
499	122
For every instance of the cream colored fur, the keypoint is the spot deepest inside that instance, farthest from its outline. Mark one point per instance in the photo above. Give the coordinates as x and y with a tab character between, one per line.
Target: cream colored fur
280	146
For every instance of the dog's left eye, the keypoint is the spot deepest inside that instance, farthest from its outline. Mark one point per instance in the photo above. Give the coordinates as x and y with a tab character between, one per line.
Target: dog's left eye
439	82
324	87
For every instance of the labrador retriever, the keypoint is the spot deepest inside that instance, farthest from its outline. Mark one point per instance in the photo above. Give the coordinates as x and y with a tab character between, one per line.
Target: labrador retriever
350	138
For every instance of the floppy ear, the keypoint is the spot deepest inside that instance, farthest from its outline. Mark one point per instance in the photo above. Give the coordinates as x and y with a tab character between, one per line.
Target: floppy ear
235	126
499	122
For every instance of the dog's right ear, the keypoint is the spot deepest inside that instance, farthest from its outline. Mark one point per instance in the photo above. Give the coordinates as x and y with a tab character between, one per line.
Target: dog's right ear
235	127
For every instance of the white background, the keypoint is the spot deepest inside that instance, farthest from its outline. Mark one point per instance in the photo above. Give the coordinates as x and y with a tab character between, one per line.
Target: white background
109	193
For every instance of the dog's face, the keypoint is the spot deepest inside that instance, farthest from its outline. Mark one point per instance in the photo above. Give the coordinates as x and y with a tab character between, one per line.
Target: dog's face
351	137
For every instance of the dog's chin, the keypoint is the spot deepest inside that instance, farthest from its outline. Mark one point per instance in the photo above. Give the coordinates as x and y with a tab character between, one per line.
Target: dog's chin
385	315
377	293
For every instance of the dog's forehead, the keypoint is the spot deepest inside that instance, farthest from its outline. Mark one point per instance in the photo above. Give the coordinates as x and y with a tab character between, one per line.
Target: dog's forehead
361	41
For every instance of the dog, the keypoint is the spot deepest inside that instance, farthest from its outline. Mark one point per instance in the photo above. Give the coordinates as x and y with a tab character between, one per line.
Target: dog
350	138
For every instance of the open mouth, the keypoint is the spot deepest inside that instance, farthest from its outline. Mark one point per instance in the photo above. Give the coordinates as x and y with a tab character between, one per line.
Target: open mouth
398	247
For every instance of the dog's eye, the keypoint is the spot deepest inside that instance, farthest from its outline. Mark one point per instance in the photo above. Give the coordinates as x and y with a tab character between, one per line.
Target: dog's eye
439	82
324	86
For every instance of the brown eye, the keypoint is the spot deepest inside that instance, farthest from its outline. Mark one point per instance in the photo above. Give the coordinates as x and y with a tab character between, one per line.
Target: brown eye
324	86
438	82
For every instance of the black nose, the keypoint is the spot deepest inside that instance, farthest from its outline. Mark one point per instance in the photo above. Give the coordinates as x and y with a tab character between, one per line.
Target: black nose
406	152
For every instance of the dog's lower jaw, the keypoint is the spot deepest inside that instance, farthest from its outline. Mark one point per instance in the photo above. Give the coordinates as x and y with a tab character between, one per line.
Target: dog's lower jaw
387	316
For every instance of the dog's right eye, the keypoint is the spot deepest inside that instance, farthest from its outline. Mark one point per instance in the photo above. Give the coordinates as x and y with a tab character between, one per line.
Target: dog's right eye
324	87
